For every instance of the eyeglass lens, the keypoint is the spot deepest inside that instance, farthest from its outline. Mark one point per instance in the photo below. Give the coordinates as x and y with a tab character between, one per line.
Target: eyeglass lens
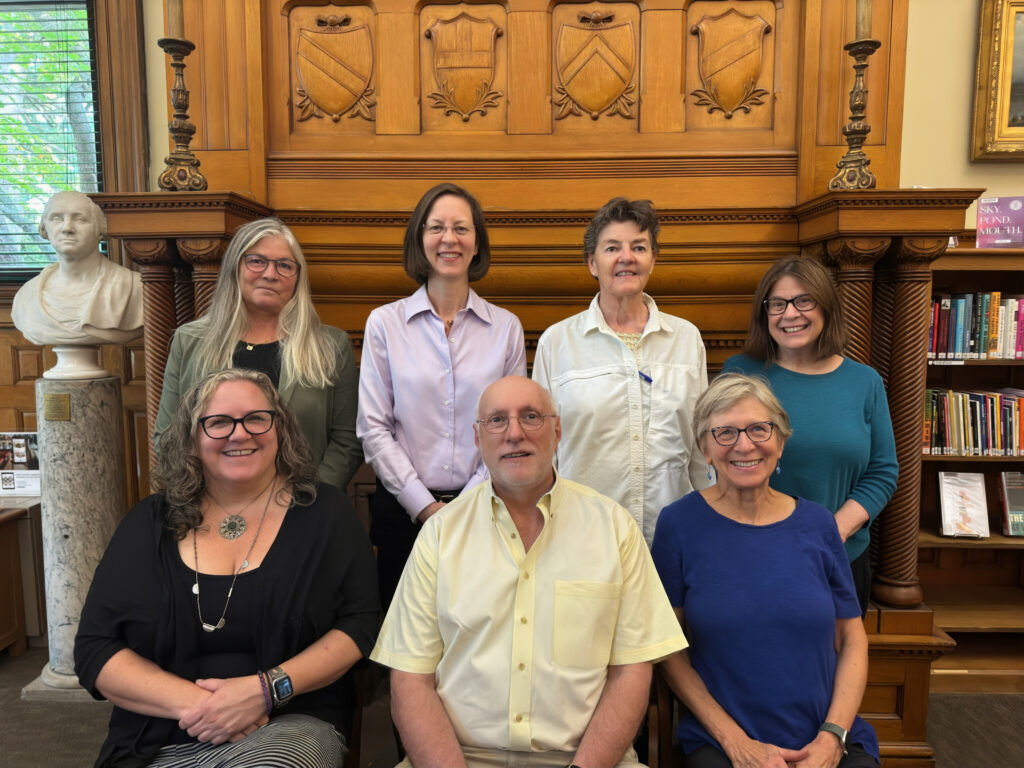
803	302
758	432
284	267
220	426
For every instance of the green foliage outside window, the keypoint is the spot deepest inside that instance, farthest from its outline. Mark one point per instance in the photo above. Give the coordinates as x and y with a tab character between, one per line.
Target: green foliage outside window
49	139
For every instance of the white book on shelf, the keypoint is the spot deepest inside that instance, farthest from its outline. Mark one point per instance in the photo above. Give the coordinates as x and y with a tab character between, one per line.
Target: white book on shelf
963	504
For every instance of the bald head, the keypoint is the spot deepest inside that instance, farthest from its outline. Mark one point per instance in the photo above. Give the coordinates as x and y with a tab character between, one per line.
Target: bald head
519	459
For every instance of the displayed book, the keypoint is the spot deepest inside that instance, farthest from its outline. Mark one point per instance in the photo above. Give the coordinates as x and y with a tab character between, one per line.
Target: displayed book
19	464
1001	222
963	504
1011	494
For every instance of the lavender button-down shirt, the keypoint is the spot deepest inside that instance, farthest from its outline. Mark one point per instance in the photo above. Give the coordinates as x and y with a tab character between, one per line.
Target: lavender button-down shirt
418	391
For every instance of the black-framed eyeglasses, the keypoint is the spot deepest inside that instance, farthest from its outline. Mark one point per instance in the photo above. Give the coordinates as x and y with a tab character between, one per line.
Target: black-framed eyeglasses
530	421
459	230
219	426
776	306
284	267
758	432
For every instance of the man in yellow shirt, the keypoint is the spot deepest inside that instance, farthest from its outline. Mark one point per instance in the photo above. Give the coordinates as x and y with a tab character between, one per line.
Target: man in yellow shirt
529	614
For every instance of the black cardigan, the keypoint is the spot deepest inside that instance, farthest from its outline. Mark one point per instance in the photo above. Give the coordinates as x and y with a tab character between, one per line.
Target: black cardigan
319	574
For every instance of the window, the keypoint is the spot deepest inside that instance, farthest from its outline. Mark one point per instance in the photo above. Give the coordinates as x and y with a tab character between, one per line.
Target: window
49	133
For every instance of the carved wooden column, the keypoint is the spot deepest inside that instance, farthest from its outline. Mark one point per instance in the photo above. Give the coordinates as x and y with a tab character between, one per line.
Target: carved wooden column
155	262
852	261
184	295
905	277
204	254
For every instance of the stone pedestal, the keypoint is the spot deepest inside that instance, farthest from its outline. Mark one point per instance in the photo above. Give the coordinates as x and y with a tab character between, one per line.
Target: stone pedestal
81	456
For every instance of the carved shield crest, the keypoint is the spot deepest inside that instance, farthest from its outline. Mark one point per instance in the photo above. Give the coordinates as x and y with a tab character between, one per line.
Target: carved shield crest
334	70
595	62
729	56
464	58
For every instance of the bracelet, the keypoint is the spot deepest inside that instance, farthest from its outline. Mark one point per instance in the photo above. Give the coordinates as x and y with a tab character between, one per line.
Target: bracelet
266	692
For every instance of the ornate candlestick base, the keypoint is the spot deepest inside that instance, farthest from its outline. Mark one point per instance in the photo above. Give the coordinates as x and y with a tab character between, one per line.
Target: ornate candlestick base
182	171
853	170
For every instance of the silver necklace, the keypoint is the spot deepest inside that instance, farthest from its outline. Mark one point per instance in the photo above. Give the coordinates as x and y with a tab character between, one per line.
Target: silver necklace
242	567
234	525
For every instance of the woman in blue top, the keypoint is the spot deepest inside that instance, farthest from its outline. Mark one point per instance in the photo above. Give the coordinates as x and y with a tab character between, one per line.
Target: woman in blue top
842	453
778	655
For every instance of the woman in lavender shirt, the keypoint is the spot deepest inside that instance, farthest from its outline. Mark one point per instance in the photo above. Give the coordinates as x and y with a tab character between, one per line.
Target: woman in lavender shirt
426	359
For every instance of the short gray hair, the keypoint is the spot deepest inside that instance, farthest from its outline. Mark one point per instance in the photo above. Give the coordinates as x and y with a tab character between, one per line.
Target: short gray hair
727	390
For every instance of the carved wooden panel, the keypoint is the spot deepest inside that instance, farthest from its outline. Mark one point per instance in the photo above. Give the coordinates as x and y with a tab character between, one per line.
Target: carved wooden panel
730	71
595	62
463	68
331	52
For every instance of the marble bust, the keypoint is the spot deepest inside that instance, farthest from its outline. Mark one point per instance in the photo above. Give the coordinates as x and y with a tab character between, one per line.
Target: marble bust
84	298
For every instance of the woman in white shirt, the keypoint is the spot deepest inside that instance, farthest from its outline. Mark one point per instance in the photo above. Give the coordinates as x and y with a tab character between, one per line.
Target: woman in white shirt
625	376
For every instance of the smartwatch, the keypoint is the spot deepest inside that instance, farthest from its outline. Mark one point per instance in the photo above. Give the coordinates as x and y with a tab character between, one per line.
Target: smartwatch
838	731
280	686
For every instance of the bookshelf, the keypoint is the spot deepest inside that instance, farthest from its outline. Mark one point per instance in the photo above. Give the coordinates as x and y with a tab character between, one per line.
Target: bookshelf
975	586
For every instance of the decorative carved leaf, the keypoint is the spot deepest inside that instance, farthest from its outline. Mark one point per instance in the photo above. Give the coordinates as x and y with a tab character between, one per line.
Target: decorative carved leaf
623	105
364	106
307	107
566	106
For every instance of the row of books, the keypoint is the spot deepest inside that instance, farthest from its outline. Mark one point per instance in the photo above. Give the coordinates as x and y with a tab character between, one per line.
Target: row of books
974	423
977	326
965	508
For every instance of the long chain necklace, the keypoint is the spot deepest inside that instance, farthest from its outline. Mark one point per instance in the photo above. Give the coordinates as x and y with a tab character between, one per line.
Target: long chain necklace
242	567
234	525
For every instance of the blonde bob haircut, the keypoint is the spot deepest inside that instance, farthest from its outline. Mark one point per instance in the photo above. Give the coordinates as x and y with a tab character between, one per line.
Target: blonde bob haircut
308	354
179	471
817	282
729	389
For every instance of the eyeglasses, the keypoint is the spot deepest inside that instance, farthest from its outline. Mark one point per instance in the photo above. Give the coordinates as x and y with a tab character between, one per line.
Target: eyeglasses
530	421
219	426
775	306
257	263
459	230
758	432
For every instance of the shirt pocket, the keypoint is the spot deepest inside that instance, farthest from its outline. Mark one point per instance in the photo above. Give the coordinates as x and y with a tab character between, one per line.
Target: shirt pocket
585	617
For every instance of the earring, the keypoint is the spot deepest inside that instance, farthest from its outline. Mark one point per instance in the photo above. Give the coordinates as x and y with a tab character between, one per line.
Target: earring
778	467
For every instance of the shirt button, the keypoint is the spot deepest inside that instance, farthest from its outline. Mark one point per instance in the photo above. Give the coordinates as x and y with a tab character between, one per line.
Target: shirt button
447	402
522	667
522	620
636	437
447	370
447	434
513	535
451	339
444	467
519	718
526	576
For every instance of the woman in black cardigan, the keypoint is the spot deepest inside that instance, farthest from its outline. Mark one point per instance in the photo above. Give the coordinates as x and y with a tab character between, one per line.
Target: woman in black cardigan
229	606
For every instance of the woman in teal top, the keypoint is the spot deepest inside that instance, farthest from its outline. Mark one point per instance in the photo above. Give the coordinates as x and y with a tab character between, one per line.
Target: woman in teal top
842	453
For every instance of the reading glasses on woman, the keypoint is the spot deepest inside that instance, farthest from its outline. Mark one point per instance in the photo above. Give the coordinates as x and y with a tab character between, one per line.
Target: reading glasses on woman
758	432
284	267
219	426
459	230
531	421
777	306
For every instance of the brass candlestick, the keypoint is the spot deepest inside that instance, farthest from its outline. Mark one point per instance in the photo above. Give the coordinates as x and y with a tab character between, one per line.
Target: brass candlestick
853	170
182	170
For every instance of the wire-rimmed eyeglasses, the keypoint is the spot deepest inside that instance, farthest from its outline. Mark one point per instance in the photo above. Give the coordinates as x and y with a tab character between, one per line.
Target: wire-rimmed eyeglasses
530	421
459	230
758	432
776	306
283	267
219	426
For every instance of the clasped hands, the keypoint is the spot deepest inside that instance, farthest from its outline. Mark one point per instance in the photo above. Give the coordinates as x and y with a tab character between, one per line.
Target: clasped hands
823	752
230	710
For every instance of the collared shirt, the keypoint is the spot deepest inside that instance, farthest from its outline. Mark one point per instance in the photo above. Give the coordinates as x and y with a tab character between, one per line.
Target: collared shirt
418	391
520	642
627	420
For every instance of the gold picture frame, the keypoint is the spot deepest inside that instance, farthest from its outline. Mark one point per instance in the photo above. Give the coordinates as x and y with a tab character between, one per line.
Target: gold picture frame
998	132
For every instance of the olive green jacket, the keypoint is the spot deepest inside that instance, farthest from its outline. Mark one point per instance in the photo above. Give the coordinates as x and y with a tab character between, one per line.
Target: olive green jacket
326	416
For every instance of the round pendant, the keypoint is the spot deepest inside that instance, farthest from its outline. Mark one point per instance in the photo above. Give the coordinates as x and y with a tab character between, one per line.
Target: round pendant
232	526
195	589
